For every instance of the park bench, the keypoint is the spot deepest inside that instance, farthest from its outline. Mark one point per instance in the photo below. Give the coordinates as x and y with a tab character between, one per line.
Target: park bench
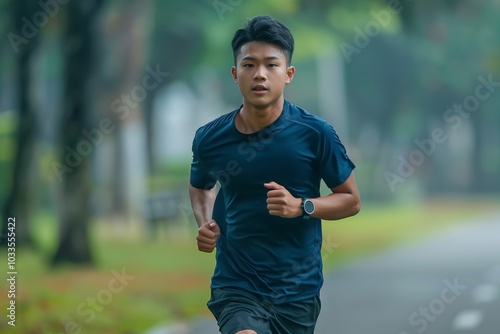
162	207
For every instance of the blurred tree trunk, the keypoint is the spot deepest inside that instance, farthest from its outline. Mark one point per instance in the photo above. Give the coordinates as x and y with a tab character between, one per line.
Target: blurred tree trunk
123	74
148	122
74	245
19	197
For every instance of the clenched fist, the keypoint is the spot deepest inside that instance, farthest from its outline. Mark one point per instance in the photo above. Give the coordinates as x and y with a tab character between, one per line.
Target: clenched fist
281	203
207	237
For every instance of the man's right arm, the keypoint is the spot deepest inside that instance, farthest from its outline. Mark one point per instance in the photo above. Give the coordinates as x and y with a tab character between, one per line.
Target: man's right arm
202	202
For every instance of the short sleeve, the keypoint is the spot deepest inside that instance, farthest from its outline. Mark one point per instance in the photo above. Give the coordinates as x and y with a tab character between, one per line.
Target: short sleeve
200	177
334	164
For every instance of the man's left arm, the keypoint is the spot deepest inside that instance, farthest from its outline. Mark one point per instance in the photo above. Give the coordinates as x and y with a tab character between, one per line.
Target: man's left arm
343	202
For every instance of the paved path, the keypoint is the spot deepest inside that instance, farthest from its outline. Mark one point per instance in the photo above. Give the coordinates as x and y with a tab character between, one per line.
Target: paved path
445	284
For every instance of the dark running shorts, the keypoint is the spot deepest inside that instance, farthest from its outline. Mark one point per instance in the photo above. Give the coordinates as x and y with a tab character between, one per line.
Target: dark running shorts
237	310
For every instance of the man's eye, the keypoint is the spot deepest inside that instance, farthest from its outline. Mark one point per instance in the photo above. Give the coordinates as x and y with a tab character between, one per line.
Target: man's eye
273	65
248	65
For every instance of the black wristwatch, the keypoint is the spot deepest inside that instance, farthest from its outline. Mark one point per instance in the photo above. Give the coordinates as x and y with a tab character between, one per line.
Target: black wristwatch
307	208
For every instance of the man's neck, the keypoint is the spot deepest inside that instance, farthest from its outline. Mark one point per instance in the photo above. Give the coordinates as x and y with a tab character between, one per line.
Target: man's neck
251	119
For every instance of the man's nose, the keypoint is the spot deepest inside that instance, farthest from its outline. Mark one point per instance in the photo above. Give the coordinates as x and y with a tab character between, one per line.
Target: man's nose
260	73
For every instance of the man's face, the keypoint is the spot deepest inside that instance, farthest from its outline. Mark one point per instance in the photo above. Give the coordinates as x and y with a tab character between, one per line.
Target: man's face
261	72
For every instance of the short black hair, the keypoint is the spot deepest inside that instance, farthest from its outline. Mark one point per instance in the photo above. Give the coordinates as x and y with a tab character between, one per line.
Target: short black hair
264	28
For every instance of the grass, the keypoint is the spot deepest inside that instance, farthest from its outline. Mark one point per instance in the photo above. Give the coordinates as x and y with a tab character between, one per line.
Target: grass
171	278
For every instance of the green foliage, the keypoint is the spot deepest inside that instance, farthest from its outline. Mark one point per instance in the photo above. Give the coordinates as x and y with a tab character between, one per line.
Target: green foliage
8	123
5	7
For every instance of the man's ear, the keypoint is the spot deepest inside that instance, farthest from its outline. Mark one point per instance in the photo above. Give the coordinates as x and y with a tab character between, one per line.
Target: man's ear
290	72
234	74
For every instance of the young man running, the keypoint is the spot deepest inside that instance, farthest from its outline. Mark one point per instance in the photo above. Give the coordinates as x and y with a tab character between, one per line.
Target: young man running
269	157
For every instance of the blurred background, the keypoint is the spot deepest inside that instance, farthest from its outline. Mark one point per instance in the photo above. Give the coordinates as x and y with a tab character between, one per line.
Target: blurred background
100	100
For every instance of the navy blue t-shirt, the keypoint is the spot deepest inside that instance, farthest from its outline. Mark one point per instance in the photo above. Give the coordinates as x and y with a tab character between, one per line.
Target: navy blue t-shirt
274	257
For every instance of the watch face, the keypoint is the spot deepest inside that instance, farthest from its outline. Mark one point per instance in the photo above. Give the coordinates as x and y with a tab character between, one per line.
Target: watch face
308	206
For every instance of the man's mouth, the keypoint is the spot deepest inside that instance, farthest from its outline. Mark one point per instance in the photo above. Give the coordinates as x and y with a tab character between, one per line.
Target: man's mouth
259	88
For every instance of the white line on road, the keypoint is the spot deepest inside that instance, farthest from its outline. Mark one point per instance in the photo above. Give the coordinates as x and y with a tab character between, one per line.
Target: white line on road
469	319
485	293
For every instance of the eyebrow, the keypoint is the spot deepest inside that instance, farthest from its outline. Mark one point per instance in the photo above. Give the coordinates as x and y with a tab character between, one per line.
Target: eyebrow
267	58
